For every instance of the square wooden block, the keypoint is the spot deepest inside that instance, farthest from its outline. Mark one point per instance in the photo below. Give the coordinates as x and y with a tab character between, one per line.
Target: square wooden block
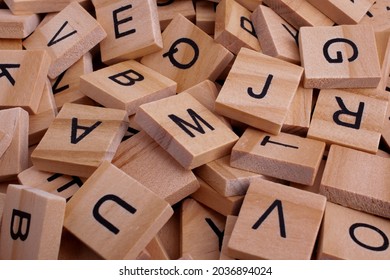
67	37
39	6
234	28
148	163
13	142
167	10
132	27
343	12
276	222
259	96
66	87
126	86
339	56
299	13
114	214
353	235
22	78
79	139
286	156
189	56
17	26
346	178
276	36
348	119
378	16
31	225
186	129
201	231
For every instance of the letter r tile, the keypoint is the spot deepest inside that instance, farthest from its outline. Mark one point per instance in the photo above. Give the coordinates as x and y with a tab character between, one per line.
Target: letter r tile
186	129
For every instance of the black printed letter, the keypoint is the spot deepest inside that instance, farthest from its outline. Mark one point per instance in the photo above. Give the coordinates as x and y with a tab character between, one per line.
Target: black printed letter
19	234
217	232
54	40
87	130
358	115
76	180
57	82
383	247
195	117
126	74
173	49
118	22
264	91
102	220
242	24
277	203
4	72
339	56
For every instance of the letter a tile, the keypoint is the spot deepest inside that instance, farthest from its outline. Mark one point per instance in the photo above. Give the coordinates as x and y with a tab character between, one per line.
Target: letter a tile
259	96
114	214
79	139
186	129
276	222
32	224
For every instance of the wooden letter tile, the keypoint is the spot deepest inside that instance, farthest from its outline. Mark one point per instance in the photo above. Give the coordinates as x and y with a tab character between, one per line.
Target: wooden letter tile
13	142
259	96
343	12
352	235
348	119
79	139
378	16
299	13
55	183
202	231
114	214
144	160
169	234
22	78
167	10
32	224
221	204
132	27
39	6
189	56
286	156
339	56
186	130
357	180
17	26
276	36
276	222
234	28
126	86
67	37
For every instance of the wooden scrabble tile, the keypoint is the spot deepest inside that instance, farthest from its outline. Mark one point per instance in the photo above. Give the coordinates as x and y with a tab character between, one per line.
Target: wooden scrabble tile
348	119
378	16
212	199
110	207
169	234
201	231
39	6
205	16
229	226
276	36
347	174
32	224
156	249
345	12
17	26
287	219
132	27
79	139
67	37
186	130
73	249
40	122
353	235
339	56
144	160
251	5
299	13
126	86
299	114
11	44
167	10
259	96
22	78
225	179
14	143
189	56
55	183
66	87
234	28
286	156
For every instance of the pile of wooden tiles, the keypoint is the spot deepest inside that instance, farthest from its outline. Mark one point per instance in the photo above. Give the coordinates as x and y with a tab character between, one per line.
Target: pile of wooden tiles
232	129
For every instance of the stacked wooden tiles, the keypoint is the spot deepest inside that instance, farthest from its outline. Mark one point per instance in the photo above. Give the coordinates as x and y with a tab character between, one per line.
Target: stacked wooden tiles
232	129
